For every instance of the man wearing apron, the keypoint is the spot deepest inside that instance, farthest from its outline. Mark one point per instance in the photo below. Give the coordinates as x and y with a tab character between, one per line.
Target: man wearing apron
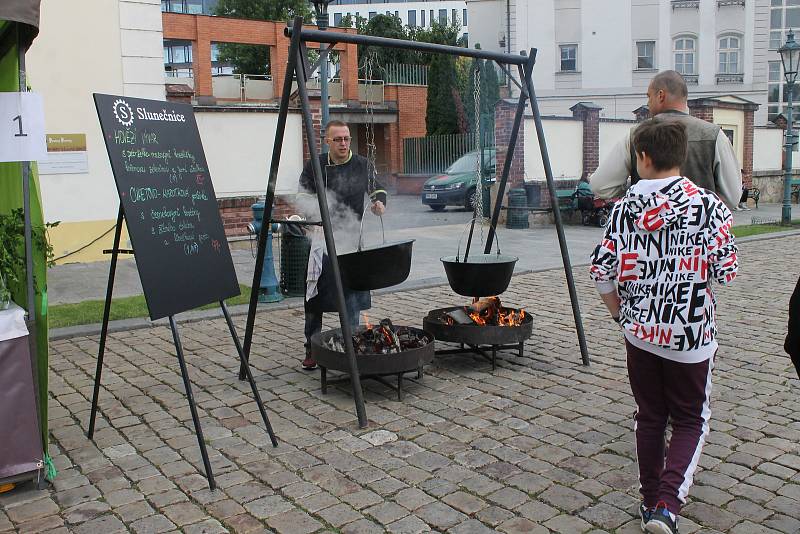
348	177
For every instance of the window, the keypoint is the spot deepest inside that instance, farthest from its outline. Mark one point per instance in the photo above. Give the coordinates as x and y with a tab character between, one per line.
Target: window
372	15
337	19
684	53
729	47
569	58
783	14
431	19
443	17
645	54
412	18
454	15
422	17
463	17
177	51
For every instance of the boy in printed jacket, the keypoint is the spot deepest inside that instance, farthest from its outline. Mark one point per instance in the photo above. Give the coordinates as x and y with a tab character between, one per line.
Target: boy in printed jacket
666	243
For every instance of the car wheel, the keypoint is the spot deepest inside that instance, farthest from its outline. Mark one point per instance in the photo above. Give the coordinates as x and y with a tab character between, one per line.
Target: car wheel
586	219
437	207
469	199
602	220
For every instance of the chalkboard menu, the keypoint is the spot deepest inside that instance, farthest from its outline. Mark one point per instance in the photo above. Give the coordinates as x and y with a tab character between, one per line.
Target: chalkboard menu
169	203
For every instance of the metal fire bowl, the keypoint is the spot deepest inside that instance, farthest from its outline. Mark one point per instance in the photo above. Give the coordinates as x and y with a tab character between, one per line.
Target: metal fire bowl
372	364
472	334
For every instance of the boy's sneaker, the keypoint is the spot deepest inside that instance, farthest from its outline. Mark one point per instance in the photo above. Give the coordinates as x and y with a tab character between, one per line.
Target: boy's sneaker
742	206
662	521
646	514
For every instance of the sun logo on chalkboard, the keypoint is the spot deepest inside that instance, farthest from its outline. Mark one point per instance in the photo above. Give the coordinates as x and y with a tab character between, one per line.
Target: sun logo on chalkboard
123	112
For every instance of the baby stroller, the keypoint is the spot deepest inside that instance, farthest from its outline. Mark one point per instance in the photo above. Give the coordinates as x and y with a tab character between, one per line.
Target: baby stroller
594	211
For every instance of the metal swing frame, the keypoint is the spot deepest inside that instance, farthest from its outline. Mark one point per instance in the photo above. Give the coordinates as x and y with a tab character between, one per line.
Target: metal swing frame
297	65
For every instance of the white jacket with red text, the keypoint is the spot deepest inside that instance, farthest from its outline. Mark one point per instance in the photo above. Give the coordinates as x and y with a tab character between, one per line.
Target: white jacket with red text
664	244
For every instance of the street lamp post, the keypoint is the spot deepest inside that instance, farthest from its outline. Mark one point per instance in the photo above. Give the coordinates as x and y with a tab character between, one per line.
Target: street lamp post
790	54
321	9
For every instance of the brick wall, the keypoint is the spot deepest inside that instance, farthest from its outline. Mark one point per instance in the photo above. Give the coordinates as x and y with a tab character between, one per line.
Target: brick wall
702	112
589	113
412	106
747	149
503	124
236	212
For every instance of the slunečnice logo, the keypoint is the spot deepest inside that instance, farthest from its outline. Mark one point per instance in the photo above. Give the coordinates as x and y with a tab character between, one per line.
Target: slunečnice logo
123	112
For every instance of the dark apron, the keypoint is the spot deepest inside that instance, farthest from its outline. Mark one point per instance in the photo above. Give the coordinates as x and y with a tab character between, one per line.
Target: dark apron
325	300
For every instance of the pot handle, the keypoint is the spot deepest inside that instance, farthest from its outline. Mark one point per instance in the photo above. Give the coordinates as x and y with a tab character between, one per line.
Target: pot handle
361	229
461	237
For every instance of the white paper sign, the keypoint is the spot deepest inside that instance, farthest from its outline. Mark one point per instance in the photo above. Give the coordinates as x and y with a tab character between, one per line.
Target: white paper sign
22	127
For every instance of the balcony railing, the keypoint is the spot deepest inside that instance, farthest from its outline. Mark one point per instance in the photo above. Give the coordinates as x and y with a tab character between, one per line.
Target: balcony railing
690	79
403	74
238	87
684	4
730	78
723	3
179	77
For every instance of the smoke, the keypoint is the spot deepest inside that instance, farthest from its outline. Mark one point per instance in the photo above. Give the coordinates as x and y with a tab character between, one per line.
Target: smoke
344	221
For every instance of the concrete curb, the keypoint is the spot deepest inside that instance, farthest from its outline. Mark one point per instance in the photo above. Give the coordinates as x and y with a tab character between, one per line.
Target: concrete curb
297	302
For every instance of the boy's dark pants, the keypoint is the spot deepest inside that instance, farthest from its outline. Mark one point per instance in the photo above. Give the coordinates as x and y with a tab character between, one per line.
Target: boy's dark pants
679	392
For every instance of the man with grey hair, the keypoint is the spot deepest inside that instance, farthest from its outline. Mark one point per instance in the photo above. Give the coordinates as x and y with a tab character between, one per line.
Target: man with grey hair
710	160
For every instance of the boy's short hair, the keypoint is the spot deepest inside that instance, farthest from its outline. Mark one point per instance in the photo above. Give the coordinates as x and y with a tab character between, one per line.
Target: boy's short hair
664	141
335	123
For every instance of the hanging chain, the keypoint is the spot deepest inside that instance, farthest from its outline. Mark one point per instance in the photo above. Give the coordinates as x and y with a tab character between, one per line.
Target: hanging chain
369	64
476	95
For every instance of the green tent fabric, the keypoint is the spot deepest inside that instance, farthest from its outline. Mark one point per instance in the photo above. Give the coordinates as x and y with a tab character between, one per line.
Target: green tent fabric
10	199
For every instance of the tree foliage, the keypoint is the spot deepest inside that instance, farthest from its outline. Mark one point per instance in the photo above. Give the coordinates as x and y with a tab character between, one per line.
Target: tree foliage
442	115
254	59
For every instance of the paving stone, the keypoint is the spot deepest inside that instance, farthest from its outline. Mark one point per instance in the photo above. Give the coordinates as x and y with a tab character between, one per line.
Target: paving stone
412	498
440	516
409	525
183	513
268	506
152	524
472	526
464	502
294	522
362	526
519	525
28	511
565	498
567	524
605	516
43	524
387	512
209	526
84	512
710	516
494	515
339	515
106	524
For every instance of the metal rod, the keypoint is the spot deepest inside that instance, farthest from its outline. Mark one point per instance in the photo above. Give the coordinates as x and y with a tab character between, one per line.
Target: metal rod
30	290
323	85
299	223
786	210
344	317
469	239
512	143
246	367
112	269
188	386
510	76
317	36
269	198
562	240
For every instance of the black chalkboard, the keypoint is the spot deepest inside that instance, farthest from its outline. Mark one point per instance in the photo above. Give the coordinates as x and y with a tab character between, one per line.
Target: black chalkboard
169	203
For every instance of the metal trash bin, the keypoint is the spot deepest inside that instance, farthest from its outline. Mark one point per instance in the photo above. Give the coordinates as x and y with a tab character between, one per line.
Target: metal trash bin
533	191
517	210
295	247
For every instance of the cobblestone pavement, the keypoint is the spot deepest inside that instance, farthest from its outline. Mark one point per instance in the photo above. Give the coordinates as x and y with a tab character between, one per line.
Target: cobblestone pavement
542	445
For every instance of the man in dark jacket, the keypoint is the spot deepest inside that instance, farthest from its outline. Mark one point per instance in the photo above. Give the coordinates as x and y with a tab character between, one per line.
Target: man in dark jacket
710	160
792	343
347	177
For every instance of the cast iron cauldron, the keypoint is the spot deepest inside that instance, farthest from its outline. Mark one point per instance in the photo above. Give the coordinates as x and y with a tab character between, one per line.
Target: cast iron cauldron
378	266
479	275
482	275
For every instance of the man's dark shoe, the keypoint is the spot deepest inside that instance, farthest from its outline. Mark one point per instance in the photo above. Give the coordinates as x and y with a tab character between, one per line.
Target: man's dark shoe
645	514
309	364
662	521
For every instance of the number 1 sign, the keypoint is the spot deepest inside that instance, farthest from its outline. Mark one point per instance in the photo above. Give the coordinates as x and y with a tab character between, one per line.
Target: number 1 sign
22	127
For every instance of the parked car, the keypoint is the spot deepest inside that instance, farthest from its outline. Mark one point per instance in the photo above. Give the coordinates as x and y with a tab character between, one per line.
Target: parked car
456	187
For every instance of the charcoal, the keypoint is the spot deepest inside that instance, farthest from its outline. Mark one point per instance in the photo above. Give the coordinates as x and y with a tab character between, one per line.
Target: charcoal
383	338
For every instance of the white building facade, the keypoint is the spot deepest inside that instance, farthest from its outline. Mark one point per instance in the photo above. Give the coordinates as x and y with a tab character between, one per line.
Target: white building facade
413	14
607	51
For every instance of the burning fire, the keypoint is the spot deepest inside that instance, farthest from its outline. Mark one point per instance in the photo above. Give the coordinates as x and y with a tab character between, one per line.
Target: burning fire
489	311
